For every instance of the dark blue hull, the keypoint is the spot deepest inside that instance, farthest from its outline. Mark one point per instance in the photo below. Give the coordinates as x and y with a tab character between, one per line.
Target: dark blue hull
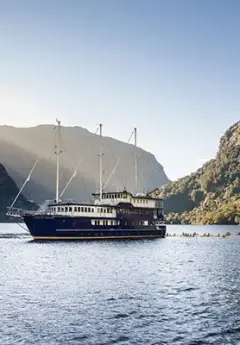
44	227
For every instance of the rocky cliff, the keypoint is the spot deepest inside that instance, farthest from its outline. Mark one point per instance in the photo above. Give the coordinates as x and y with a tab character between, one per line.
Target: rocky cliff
212	194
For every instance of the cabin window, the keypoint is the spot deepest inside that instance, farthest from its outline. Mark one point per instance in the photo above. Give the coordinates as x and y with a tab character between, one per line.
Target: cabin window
85	209
75	209
70	209
66	209
89	210
79	209
58	209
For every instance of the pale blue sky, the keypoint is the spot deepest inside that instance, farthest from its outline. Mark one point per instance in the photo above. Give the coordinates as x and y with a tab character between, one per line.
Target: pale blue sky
171	68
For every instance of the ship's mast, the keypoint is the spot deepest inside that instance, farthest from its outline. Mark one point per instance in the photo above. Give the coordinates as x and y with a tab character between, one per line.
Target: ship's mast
57	152
100	163
136	162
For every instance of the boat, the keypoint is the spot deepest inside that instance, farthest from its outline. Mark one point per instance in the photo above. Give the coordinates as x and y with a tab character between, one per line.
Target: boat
110	215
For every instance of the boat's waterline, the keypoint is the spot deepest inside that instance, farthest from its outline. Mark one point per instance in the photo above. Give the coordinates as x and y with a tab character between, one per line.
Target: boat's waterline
56	238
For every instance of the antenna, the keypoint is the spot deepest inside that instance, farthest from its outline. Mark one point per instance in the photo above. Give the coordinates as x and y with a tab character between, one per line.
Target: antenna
136	161
58	152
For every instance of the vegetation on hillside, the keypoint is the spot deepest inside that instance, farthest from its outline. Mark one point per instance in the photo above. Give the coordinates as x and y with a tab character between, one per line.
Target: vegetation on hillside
212	194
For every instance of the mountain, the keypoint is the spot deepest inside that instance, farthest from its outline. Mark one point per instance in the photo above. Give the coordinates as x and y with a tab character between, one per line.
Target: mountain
20	148
8	192
212	194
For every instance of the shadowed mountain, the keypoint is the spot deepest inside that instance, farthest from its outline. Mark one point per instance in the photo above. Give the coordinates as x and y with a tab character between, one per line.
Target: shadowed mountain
22	146
212	194
8	192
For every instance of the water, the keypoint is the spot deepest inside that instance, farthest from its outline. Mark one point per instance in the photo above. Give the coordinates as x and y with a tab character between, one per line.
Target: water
152	292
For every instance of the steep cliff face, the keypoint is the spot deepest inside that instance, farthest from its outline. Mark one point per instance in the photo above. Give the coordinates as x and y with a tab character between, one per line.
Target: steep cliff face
8	192
212	194
21	146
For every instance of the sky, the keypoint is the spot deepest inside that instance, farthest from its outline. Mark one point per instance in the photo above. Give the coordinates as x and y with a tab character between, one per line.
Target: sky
171	68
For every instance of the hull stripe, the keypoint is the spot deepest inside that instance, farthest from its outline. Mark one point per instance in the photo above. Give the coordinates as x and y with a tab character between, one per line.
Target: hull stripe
92	237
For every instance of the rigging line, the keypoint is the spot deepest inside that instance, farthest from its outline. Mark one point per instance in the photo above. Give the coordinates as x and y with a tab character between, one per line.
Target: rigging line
116	165
71	178
23	227
27	180
75	171
98	127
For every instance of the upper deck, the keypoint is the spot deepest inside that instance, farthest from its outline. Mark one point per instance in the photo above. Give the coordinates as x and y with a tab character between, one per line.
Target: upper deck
139	200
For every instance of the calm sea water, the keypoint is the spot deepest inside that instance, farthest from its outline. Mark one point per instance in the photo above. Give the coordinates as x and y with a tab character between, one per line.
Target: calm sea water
168	291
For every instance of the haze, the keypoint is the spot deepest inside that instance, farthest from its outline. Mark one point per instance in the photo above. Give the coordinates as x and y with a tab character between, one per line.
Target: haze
171	68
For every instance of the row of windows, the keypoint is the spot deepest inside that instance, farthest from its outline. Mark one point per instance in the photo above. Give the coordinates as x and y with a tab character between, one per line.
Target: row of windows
115	196
117	222
140	222
141	201
105	222
124	196
129	211
81	209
